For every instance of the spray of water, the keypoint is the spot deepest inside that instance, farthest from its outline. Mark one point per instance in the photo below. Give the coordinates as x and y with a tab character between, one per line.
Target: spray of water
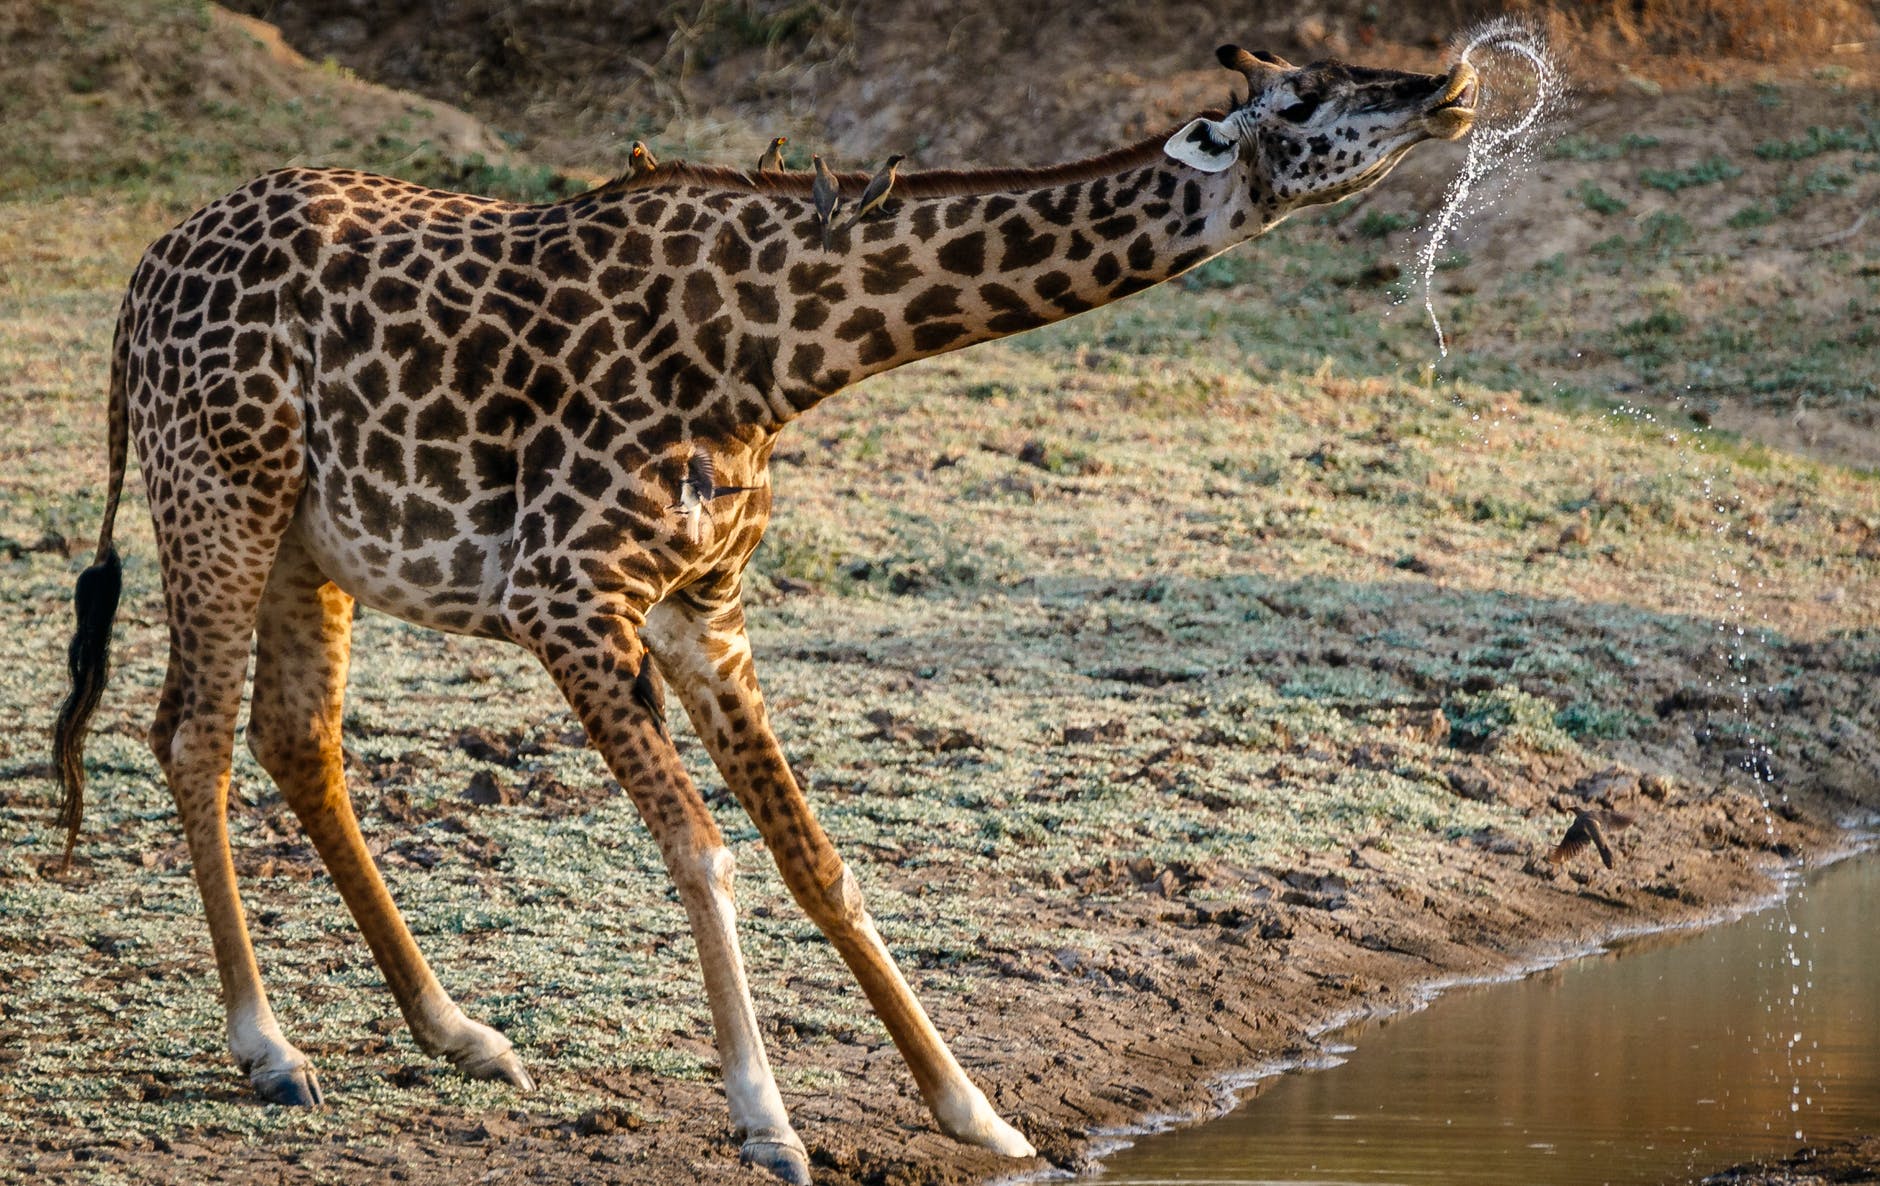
1522	89
1741	655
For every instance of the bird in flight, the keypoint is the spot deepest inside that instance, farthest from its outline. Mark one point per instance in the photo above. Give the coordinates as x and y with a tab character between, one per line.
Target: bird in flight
1589	828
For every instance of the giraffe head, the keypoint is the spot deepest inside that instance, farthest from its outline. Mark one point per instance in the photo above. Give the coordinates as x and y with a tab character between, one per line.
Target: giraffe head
1306	135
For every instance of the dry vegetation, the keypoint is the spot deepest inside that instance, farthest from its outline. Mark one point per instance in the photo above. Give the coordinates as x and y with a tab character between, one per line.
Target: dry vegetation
1196	668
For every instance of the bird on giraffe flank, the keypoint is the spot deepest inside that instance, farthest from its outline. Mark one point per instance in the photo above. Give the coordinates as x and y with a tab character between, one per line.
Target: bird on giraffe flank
877	190
827	195
639	161
1589	828
698	489
772	160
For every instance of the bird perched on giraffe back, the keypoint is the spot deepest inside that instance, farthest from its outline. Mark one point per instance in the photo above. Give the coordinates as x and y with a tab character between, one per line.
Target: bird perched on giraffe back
1589	827
877	191
640	162
826	193
772	160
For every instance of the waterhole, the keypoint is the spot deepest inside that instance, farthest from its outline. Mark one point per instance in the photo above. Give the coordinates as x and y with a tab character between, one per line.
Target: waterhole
1656	1061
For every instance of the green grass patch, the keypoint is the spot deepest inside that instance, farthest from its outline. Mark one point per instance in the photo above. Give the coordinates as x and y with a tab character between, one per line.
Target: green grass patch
1381	224
1598	200
1579	147
1817	141
1709	171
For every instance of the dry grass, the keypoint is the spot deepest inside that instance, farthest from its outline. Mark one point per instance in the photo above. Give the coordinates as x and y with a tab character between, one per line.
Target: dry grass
1760	31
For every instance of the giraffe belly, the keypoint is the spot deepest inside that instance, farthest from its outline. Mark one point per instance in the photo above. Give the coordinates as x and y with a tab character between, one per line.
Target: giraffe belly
453	583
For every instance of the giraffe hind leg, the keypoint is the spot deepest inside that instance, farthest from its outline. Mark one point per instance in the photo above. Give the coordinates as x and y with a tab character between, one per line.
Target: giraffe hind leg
213	585
303	649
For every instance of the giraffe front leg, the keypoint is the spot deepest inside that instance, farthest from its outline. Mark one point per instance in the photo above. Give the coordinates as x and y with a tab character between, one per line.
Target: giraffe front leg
595	656
707	656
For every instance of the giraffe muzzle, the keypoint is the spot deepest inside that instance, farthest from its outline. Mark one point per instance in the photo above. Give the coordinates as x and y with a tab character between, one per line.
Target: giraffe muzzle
1453	113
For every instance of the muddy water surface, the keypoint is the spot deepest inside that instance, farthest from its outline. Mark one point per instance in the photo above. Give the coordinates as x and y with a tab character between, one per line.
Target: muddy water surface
1668	1056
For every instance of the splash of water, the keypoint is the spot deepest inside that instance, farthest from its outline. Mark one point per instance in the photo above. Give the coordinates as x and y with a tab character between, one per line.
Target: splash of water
1753	756
1507	135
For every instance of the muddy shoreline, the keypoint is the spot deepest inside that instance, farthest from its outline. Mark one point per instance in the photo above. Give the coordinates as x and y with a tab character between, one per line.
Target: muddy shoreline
1209	970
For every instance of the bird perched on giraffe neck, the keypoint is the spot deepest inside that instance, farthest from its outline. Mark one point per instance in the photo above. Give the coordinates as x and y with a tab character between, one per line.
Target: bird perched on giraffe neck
827	195
877	190
772	160
640	162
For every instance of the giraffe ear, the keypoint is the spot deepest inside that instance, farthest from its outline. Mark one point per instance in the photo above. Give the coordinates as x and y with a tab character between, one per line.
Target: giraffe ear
1260	67
1205	144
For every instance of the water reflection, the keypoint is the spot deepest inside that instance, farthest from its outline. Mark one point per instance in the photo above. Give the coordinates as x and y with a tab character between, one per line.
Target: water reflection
1671	1055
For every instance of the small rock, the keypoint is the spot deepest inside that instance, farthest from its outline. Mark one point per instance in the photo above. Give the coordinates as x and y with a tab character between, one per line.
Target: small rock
486	790
1089	734
486	746
1431	728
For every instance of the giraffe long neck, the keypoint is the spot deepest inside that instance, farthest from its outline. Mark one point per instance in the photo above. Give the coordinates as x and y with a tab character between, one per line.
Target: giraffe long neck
929	274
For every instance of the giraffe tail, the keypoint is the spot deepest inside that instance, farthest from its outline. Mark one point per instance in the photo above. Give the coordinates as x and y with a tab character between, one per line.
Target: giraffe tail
94	602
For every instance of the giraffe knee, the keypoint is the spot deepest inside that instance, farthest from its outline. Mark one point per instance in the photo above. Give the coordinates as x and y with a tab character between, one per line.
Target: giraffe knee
289	757
841	903
717	869
162	739
269	749
162	735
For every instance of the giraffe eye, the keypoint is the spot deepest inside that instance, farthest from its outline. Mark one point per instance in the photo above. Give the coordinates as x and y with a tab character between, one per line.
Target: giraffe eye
1299	112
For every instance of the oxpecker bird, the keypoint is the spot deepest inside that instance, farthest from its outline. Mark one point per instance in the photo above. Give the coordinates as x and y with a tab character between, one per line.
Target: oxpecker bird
639	161
827	196
877	191
772	160
698	489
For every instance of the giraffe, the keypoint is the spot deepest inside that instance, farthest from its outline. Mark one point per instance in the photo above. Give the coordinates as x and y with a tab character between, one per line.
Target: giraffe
550	425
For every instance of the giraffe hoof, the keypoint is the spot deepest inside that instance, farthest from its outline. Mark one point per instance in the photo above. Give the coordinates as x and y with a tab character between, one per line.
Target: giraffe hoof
293	1087
784	1160
981	1126
505	1066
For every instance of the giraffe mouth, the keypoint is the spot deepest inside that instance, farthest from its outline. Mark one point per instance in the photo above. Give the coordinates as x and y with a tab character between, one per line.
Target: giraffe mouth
1454	110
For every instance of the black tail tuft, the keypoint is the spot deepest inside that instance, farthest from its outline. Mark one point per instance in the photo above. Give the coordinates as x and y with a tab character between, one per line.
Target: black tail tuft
94	602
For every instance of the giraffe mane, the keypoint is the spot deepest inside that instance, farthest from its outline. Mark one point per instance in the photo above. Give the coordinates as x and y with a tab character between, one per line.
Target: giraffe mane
931	183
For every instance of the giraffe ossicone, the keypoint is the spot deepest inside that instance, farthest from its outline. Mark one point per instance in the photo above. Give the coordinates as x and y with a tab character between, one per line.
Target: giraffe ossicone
481	417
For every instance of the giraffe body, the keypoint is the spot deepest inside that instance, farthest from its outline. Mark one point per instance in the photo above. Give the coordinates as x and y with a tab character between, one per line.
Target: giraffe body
551	425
